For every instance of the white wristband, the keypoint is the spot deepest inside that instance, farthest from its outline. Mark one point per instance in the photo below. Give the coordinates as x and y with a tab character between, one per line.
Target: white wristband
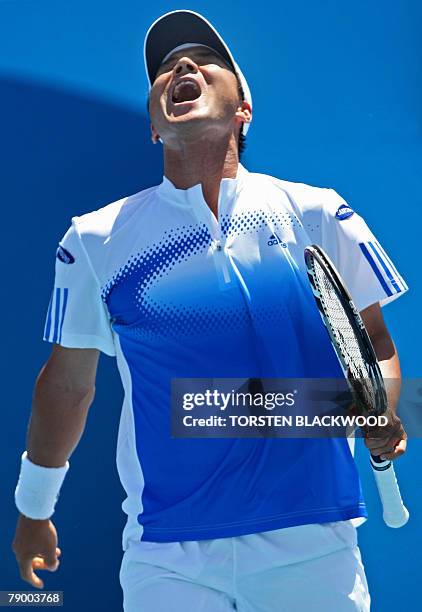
38	488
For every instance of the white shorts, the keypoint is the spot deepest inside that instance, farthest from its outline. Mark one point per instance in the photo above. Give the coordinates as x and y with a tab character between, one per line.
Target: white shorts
314	568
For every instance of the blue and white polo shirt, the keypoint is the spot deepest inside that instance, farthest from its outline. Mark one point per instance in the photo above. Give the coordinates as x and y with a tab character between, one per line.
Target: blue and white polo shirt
156	280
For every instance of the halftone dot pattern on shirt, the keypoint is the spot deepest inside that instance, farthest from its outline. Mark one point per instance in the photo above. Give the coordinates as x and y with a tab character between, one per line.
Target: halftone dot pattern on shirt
180	243
144	270
165	321
158	259
254	220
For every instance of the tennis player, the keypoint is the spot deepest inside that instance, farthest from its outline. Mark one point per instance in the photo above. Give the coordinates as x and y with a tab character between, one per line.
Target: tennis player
203	276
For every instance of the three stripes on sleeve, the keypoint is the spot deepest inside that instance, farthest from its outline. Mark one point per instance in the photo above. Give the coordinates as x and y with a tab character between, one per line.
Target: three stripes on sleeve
383	268
55	314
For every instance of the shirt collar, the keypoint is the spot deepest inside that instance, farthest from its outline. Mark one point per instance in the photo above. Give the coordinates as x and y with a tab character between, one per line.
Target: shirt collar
229	188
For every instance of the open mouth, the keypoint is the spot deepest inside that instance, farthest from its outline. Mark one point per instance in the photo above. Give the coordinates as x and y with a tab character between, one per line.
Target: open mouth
185	91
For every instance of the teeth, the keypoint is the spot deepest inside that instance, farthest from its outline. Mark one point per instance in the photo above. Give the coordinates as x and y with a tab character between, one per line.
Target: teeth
181	83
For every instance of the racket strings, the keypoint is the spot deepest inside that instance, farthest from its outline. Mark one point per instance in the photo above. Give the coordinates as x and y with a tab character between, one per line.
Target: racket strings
345	337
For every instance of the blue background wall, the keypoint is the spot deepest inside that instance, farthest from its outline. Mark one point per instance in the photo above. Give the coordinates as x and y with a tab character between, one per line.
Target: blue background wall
337	101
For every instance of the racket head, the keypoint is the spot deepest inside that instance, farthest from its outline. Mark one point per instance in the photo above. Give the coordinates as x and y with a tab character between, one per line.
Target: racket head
347	332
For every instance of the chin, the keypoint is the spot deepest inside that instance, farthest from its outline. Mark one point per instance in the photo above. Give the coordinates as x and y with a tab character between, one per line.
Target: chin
197	118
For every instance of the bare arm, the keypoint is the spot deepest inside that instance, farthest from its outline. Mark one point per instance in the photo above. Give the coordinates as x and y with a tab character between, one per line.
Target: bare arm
392	443
63	393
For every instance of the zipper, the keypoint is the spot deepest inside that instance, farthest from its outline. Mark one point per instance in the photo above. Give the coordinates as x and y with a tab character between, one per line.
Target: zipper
220	258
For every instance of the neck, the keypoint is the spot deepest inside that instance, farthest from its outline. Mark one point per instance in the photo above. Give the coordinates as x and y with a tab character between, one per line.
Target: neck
204	162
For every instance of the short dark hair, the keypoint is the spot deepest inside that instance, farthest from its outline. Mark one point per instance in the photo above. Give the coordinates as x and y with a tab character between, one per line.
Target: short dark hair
241	142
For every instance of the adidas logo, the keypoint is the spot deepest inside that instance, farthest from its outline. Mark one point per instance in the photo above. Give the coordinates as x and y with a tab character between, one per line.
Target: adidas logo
274	239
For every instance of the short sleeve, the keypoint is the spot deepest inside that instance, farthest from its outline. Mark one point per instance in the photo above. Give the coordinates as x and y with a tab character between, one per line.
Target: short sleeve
365	267
77	316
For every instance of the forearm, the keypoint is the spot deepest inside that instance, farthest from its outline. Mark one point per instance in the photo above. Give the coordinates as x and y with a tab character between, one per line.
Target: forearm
385	351
390	368
59	413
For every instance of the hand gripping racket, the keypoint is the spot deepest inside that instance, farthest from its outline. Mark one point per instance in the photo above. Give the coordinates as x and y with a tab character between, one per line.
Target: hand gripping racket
358	360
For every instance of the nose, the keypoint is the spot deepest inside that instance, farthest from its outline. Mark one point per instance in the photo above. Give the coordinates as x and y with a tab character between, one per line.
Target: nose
185	66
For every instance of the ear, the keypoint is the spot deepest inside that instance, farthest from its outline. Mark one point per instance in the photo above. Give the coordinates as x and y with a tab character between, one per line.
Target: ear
155	137
244	112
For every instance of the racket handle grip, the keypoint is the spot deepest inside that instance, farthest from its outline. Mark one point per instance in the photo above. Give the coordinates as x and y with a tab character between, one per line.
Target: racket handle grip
395	513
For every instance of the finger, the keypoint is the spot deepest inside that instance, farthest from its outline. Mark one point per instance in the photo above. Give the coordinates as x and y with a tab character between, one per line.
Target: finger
27	574
379	451
382	452
39	563
387	445
398	451
393	455
380	435
388	448
376	441
50	561
378	446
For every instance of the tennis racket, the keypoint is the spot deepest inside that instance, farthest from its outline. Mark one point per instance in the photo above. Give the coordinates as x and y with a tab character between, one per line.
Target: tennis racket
358	360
